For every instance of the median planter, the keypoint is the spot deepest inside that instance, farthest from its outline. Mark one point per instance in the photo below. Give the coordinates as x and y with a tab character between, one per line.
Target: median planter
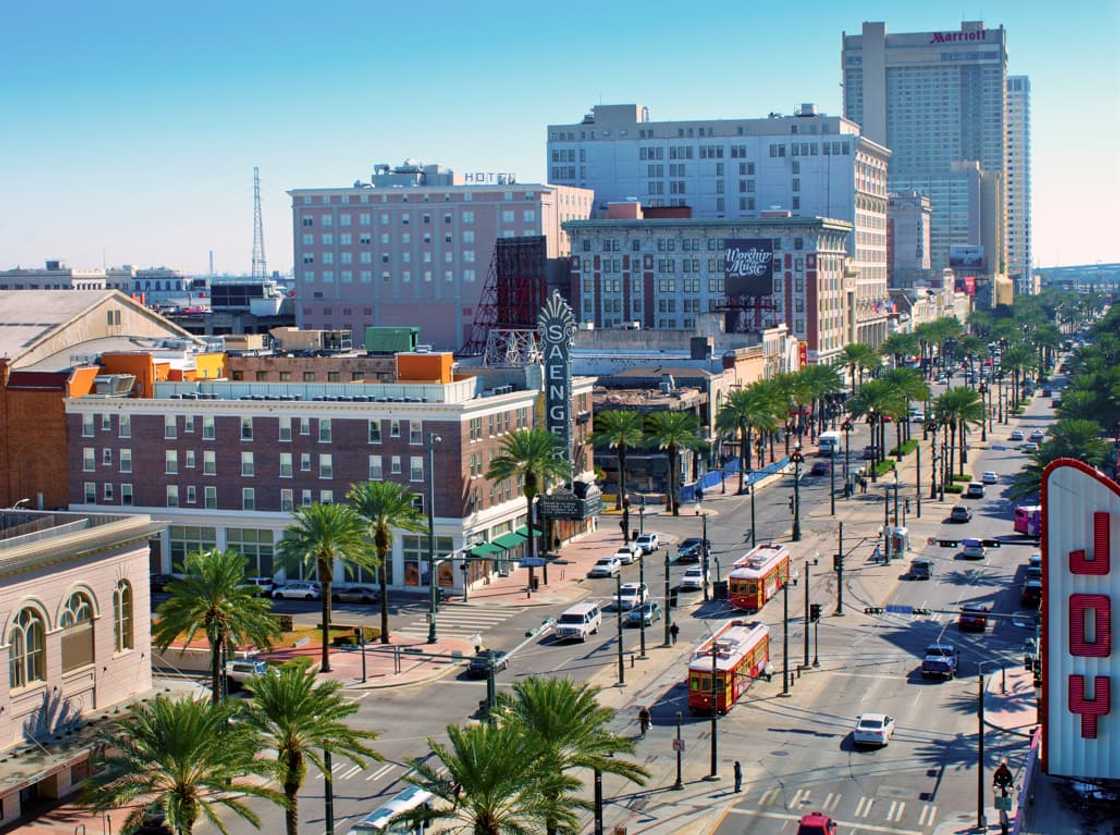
954	488
883	467
964	478
907	447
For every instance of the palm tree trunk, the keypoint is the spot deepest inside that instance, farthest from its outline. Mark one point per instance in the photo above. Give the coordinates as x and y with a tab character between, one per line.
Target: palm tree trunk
621	477
744	454
964	446
898	438
383	583
674	502
216	670
952	448
532	540
291	809
325	587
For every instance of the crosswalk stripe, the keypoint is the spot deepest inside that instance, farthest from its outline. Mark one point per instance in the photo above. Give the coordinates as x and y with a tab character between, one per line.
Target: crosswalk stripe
801	796
335	767
927	810
769	796
350	773
831	802
381	772
863	808
896	810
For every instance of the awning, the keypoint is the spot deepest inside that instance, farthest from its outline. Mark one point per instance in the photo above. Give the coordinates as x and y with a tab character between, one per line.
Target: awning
509	541
485	549
524	531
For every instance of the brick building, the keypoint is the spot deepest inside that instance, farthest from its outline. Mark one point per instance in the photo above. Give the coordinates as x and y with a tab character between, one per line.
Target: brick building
226	463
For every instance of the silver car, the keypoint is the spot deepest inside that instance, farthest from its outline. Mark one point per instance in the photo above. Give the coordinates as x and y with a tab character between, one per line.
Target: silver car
298	590
356	593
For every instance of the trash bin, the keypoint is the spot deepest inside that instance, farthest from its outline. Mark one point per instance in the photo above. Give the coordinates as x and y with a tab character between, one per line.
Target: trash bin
719	590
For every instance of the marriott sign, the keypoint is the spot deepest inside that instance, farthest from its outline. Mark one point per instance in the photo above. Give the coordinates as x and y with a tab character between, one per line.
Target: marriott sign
955	37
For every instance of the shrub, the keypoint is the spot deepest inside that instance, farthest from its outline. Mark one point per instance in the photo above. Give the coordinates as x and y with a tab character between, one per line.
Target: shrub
963	477
954	488
883	467
907	447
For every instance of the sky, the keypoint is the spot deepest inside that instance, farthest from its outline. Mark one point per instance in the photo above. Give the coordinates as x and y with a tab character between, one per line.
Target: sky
129	130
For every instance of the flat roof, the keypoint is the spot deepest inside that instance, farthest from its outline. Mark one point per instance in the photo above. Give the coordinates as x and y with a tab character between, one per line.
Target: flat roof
825	222
154	345
32	537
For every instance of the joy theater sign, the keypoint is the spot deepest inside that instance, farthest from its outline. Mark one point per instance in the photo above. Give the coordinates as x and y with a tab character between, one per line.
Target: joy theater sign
1080	649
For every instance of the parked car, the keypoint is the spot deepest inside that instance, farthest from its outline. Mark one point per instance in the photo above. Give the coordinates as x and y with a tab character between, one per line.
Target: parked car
626	555
1038	436
648	542
241	670
693	579
869	453
941	659
630	595
960	513
479	665
921	569
819	468
1034	572
579	622
1032	593
917	416
605	567
691	549
297	589
816	823
263	585
873	729
1016	435
1029	446
975	490
990	477
649	612
356	593
973	619
1035	561
159	582
973	549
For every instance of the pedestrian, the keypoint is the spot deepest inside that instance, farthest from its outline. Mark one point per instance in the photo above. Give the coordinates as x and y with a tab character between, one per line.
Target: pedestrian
738	777
644	719
674	630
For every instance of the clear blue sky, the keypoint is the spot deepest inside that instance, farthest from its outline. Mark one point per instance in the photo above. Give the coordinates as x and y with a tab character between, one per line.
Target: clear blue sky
131	129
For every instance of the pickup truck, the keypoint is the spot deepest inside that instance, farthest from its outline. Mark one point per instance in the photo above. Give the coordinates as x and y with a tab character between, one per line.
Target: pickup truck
941	659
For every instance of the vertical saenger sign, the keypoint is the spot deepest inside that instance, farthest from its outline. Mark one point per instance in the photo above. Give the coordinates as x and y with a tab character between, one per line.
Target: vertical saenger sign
556	325
1080	609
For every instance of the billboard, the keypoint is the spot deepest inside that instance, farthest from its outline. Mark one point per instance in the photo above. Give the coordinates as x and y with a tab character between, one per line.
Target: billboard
1080	593
966	256
748	266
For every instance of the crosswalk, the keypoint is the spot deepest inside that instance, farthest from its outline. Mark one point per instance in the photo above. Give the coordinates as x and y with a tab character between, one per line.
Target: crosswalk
863	812
460	621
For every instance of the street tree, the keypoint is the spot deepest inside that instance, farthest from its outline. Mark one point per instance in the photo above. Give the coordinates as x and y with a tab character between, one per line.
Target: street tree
620	430
673	432
536	458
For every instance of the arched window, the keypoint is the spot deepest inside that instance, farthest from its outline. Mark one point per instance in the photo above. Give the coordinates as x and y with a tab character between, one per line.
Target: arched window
122	616
27	649
77	632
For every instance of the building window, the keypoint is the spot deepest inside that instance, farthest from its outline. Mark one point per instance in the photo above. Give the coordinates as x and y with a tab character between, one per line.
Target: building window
285	465
210	497
246	429
172	495
189	539
89	459
305	462
122	617
326	497
375	471
192	494
26	649
324	430
394	429
286	500
247	464
171	461
190	459
415	433
207	428
326	466
285	426
395	465
209	462
256	546
126	495
305	498
107	492
170	431
106	422
89	492
416	468
124	426
77	632
87	426
305	423
248	498
375	431
188	423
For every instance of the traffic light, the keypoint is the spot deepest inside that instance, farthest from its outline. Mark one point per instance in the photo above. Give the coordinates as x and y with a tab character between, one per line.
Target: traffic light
791	504
837	562
814	612
873	610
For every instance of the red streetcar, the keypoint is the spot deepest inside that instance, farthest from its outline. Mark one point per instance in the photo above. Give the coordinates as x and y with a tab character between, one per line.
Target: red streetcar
758	576
742	653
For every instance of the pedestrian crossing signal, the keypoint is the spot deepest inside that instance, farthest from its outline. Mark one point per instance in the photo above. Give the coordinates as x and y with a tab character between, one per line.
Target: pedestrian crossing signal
873	610
814	612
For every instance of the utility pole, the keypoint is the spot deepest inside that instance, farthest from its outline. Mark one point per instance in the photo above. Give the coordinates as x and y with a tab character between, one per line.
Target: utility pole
918	479
797	458
808	567
750	489
840	572
618	604
832	483
642	595
704	548
785	637
713	773
434	439
328	797
680	755
668	607
598	802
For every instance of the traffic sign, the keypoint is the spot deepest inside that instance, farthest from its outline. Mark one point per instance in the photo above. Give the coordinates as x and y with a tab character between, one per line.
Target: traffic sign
678	745
531	562
899	610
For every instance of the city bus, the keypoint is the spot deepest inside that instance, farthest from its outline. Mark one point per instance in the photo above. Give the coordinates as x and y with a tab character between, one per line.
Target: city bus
1028	520
742	654
758	576
396	816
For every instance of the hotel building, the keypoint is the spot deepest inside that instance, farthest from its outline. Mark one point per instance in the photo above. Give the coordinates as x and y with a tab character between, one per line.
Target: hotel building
1018	182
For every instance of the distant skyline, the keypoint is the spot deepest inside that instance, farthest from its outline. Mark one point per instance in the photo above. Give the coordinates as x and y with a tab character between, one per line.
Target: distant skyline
130	136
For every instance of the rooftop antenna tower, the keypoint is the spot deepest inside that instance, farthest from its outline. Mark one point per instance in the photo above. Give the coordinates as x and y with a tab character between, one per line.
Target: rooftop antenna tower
260	266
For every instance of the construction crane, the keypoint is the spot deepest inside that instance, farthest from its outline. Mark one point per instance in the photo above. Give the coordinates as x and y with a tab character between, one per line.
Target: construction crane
260	266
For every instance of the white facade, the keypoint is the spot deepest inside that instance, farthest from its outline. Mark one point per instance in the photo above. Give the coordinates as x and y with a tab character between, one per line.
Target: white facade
55	275
809	164
1018	182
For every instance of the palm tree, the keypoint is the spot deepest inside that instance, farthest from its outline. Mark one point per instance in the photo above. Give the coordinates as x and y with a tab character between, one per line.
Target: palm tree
535	457
672	432
1080	439
383	506
297	717
874	400
1017	359
859	357
621	431
570	729
320	535
744	411
910	384
213	598
182	757
899	345
495	783
960	407
822	382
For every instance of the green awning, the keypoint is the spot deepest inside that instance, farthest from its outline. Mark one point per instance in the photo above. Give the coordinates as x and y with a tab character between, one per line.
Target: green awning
485	549
509	541
524	531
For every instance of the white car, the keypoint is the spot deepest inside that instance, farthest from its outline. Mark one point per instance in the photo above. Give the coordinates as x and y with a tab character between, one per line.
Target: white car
1038	436
605	567
240	671
297	589
632	596
1029	446
625	556
989	477
917	417
873	729
693	579
648	542
1016	435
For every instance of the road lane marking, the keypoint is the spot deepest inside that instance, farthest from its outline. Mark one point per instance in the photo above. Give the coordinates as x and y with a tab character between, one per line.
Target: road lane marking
769	797
896	810
350	773
846	825
800	797
831	802
930	811
863	808
334	768
381	772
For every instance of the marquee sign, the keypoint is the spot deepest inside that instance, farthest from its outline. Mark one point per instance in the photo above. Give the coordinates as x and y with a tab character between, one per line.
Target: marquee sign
1080	649
556	325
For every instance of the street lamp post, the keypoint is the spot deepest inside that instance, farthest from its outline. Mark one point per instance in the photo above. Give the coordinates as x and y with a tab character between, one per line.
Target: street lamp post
983	389
847	427
641	606
642	515
981	818
785	637
874	445
668	607
713	772
328	795
918	479
618	605
750	489
808	567
704	547
797	458
434	439
832	483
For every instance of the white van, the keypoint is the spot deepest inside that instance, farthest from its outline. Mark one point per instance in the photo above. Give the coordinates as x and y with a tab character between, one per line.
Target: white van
578	622
829	443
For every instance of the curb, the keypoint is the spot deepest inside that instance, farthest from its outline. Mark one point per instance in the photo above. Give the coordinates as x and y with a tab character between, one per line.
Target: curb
436	675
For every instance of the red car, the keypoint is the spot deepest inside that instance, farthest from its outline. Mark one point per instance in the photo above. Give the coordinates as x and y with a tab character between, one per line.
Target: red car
816	823
973	619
